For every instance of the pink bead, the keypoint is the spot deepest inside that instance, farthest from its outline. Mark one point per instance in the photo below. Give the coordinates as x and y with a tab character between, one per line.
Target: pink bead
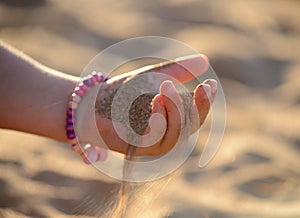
86	160
79	91
103	153
73	141
83	87
76	148
94	154
97	77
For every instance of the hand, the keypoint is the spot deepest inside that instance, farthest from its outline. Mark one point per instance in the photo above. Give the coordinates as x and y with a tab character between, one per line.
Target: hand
163	103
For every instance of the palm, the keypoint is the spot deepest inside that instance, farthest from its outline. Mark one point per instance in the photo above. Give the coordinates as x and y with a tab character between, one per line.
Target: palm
179	71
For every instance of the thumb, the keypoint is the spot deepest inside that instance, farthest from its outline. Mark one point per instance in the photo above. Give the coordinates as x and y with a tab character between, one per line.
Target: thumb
182	69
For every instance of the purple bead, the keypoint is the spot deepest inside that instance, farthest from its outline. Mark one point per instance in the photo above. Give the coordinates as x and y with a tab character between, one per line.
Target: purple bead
102	78
69	127
71	134
93	81
70	112
70	120
87	82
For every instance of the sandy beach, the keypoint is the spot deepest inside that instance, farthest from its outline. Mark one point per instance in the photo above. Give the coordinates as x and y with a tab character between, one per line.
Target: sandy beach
253	46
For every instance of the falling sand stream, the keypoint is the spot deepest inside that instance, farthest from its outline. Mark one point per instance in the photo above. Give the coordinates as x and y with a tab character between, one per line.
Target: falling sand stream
139	114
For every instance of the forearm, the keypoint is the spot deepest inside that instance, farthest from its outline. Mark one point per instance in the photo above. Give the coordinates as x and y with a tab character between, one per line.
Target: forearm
33	98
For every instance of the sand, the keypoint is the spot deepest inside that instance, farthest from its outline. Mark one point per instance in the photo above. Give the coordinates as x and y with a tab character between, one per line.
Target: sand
253	46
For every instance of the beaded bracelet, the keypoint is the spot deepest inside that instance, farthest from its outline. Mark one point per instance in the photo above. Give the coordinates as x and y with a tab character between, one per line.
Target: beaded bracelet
88	153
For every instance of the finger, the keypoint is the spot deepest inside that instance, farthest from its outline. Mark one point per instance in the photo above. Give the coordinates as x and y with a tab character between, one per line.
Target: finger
109	136
200	106
194	118
182	69
175	116
204	96
214	88
157	107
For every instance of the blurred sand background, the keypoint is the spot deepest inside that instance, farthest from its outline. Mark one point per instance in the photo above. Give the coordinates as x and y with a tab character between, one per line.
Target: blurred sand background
253	46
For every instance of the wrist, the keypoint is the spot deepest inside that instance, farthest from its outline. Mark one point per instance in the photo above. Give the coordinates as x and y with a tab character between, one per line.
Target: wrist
56	95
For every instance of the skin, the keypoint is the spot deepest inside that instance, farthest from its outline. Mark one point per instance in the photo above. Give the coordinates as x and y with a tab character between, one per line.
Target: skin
34	99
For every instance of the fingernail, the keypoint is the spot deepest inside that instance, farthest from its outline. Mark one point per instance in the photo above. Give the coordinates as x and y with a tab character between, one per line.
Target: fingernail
207	90
196	63
213	84
168	88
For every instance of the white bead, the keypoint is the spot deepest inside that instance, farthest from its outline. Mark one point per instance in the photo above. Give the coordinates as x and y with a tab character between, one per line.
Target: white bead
72	105
75	98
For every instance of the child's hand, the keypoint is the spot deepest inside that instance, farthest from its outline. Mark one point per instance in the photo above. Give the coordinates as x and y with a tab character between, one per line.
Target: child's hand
35	99
168	103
